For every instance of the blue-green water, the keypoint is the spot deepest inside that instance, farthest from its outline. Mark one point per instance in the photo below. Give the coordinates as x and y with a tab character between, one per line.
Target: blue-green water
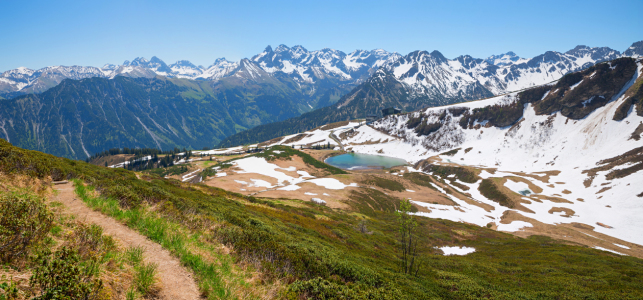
353	161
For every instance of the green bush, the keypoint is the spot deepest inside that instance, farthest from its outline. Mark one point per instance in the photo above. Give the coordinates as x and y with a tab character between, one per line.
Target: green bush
24	221
62	275
319	288
89	241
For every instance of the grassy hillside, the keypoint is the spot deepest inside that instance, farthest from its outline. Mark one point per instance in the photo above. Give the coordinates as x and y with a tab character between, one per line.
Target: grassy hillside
316	252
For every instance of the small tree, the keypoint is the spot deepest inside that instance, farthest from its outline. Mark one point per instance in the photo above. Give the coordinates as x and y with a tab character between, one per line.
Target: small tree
407	236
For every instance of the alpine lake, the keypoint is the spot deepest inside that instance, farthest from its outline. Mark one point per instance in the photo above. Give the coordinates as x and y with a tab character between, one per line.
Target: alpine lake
359	161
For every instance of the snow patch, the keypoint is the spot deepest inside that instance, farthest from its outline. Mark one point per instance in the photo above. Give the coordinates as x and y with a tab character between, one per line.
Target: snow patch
453	250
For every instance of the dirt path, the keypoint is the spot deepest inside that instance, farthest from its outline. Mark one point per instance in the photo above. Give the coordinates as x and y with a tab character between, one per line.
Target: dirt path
176	281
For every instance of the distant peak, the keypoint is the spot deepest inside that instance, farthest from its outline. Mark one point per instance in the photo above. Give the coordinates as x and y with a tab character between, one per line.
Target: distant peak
282	48
222	59
438	55
185	63
155	59
299	48
578	48
268	49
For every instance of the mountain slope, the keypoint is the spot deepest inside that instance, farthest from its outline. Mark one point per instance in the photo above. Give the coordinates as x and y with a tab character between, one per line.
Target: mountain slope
560	143
78	118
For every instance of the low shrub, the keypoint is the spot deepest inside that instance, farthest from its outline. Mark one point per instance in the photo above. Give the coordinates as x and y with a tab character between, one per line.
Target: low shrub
489	189
462	174
428	128
24	221
384	183
419	179
319	288
89	241
62	275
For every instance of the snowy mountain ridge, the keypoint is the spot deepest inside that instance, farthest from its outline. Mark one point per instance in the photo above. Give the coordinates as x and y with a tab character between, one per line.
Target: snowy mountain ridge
427	74
297	62
432	74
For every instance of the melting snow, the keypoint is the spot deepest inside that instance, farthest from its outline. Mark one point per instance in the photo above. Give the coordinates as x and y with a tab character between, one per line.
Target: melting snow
448	250
330	183
513	226
608	250
624	247
259	165
571	88
518	187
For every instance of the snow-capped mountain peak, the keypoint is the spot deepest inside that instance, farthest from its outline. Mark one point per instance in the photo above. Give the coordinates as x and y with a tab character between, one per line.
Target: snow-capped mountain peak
505	59
185	69
110	67
429	70
636	50
281	48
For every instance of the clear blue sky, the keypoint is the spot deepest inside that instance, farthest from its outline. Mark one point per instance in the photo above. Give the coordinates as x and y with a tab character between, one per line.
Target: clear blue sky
35	34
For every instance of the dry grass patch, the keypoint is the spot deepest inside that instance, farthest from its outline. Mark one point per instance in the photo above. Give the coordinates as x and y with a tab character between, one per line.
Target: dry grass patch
568	212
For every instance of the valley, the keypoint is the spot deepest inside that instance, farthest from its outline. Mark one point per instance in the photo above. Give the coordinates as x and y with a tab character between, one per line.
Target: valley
321	150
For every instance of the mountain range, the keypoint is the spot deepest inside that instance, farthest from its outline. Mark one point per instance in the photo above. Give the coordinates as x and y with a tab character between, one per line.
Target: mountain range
424	79
276	92
310	70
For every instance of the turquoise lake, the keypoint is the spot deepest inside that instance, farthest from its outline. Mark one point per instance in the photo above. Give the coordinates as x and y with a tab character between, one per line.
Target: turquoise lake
355	161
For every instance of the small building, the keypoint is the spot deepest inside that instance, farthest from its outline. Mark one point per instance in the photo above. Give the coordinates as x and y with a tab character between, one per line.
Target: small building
391	111
371	118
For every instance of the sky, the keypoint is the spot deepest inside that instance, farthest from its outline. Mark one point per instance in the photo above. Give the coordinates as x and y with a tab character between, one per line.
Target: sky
37	34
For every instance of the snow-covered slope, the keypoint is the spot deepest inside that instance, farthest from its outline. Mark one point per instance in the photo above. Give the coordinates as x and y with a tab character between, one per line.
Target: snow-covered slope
561	151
